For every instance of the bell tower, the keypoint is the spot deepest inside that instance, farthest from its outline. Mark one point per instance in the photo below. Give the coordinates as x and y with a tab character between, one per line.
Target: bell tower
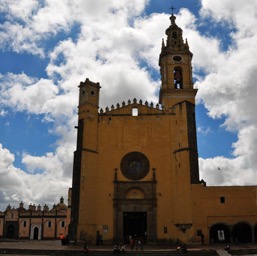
176	69
177	92
85	160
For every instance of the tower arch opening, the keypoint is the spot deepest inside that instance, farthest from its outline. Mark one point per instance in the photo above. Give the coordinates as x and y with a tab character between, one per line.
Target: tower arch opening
174	35
178	78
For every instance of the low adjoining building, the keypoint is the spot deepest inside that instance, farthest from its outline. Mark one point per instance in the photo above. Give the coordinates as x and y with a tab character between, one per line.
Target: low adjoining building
36	222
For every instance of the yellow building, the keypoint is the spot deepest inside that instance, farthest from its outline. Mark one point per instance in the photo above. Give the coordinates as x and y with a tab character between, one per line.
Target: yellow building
136	167
36	222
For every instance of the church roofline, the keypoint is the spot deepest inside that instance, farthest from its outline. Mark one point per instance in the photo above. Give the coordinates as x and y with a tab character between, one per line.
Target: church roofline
133	103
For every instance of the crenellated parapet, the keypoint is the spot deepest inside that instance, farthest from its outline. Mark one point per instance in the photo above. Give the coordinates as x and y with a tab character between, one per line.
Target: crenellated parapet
131	107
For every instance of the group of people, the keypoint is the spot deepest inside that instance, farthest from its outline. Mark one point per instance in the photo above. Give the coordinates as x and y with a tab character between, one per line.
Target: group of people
136	243
119	248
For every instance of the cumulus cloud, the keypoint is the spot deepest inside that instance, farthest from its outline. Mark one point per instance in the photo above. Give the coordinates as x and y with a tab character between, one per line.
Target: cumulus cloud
229	91
226	172
28	26
204	130
18	185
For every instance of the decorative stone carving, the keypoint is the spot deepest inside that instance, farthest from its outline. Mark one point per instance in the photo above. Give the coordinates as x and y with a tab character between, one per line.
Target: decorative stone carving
183	227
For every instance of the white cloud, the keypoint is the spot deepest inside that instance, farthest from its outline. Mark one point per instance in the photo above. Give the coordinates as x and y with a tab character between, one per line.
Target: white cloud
204	130
3	112
226	172
17	185
29	22
229	91
241	15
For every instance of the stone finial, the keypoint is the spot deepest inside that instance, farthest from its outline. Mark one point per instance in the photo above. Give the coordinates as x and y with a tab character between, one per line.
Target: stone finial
21	205
46	208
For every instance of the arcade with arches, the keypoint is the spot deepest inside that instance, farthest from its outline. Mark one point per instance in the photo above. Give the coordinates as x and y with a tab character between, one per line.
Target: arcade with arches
240	232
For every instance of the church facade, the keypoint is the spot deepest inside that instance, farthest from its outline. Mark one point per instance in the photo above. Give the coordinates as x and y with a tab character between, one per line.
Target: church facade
136	168
36	222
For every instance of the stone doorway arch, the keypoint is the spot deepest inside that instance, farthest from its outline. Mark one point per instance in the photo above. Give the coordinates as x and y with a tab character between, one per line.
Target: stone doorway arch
35	233
11	232
134	200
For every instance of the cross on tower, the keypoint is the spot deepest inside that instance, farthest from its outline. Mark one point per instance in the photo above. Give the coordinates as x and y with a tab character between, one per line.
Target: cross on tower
172	9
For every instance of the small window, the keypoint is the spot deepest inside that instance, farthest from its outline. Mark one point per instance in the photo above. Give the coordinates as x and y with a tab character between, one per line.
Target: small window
134	112
62	223
222	199
49	224
24	223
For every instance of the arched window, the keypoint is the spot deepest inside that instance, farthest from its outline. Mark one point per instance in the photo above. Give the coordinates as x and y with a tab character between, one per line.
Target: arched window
62	223
178	78
174	35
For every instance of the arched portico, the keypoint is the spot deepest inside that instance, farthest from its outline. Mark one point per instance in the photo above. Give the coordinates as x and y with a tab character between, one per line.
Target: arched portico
219	233
242	233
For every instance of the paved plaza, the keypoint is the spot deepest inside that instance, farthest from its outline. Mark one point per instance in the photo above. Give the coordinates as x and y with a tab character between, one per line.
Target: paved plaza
55	245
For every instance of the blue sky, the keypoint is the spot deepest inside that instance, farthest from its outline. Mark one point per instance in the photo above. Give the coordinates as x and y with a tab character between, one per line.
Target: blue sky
47	48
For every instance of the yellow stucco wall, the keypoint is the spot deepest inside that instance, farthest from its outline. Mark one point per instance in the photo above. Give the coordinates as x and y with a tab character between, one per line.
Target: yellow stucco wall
157	135
239	205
